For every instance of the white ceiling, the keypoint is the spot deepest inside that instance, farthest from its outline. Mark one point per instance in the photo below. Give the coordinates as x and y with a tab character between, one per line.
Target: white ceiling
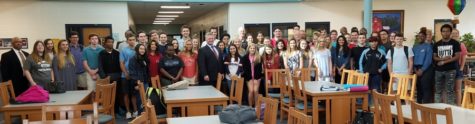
145	12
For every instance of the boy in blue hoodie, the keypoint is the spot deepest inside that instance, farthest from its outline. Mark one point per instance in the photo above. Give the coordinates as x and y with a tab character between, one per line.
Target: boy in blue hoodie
373	61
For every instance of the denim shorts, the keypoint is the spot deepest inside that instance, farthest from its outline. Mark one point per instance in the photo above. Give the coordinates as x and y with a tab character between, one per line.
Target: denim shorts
458	75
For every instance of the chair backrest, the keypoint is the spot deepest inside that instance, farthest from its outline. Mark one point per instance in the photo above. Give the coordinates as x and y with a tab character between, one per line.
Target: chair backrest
103	80
429	115
359	78
150	109
219	80
105	96
346	75
299	88
142	119
156	82
382	108
235	94
270	111
67	112
468	100
306	73
275	78
468	82
296	117
285	87
406	85
142	92
7	92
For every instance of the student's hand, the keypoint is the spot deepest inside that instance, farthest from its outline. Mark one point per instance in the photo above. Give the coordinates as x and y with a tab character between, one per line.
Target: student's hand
380	70
226	63
440	63
33	84
447	58
419	72
127	76
206	78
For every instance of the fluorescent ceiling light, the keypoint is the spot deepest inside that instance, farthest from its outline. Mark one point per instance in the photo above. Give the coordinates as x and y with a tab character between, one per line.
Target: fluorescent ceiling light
161	21
168	16
170	12
164	18
175	7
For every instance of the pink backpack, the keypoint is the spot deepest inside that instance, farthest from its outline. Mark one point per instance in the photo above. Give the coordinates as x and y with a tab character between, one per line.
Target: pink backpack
34	94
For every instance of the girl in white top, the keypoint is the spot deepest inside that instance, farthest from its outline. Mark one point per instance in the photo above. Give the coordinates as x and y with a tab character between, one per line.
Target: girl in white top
322	59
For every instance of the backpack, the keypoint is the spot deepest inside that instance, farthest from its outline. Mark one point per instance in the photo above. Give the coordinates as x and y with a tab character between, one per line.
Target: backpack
236	114
406	51
156	98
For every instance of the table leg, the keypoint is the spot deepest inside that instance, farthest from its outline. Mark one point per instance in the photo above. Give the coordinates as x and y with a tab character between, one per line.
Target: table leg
169	111
183	111
365	102
327	110
6	116
315	110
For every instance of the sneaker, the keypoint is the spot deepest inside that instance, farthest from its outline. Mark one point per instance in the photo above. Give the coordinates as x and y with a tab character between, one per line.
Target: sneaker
128	115
135	114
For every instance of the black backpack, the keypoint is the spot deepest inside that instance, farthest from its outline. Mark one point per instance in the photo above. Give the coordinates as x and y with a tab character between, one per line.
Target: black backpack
156	98
406	51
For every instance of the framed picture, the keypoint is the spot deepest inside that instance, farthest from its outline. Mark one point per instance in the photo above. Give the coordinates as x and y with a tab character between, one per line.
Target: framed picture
437	24
391	20
6	43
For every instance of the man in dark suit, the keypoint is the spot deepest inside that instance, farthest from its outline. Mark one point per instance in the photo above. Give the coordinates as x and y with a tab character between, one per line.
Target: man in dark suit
209	64
12	67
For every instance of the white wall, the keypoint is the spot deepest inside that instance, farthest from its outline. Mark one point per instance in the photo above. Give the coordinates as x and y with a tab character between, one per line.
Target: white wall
215	18
418	13
47	19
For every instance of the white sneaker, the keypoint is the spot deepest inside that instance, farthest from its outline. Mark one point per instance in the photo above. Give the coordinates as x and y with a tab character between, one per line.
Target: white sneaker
128	115
135	114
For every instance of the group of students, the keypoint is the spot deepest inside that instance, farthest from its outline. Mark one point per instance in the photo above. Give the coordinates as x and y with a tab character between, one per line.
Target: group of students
147	55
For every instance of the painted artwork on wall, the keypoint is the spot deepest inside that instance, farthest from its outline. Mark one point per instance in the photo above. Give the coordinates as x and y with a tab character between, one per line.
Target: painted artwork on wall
6	43
391	20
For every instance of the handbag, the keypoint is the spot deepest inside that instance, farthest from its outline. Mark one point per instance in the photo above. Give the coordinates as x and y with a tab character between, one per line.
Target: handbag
363	117
56	87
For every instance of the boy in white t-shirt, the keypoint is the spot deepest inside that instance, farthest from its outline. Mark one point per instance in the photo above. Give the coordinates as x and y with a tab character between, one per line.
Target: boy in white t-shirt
400	58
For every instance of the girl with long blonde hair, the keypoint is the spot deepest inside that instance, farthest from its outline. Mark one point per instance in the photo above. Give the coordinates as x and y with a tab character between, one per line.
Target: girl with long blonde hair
64	66
252	67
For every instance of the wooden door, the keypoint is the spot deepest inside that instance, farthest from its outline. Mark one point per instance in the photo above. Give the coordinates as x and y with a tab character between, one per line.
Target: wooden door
101	31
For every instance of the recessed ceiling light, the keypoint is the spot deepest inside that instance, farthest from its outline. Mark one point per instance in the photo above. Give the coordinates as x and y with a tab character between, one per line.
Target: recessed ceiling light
164	18
168	16
170	12
161	21
175	7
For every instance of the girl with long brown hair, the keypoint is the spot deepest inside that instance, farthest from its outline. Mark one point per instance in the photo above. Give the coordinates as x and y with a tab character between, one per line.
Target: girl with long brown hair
37	67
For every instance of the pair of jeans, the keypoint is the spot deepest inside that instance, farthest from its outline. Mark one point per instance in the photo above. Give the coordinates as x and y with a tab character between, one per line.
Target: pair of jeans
425	86
445	80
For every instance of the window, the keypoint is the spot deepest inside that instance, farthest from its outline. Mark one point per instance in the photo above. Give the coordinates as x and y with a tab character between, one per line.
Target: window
253	29
286	28
311	27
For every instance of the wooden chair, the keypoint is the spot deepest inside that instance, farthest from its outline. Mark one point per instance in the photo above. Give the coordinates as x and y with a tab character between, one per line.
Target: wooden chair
235	94
382	108
468	100
105	96
7	92
103	80
270	112
219	80
275	81
68	112
346	75
142	93
306	73
296	117
468	83
302	103
156	82
147	117
154	119
358	78
403	82
429	115
287	97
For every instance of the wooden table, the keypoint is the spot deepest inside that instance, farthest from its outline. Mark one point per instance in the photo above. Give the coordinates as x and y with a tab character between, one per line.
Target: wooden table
72	121
197	100
460	115
32	111
340	105
211	119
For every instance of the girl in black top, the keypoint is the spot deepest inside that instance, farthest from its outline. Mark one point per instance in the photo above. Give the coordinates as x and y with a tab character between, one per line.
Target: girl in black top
252	67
